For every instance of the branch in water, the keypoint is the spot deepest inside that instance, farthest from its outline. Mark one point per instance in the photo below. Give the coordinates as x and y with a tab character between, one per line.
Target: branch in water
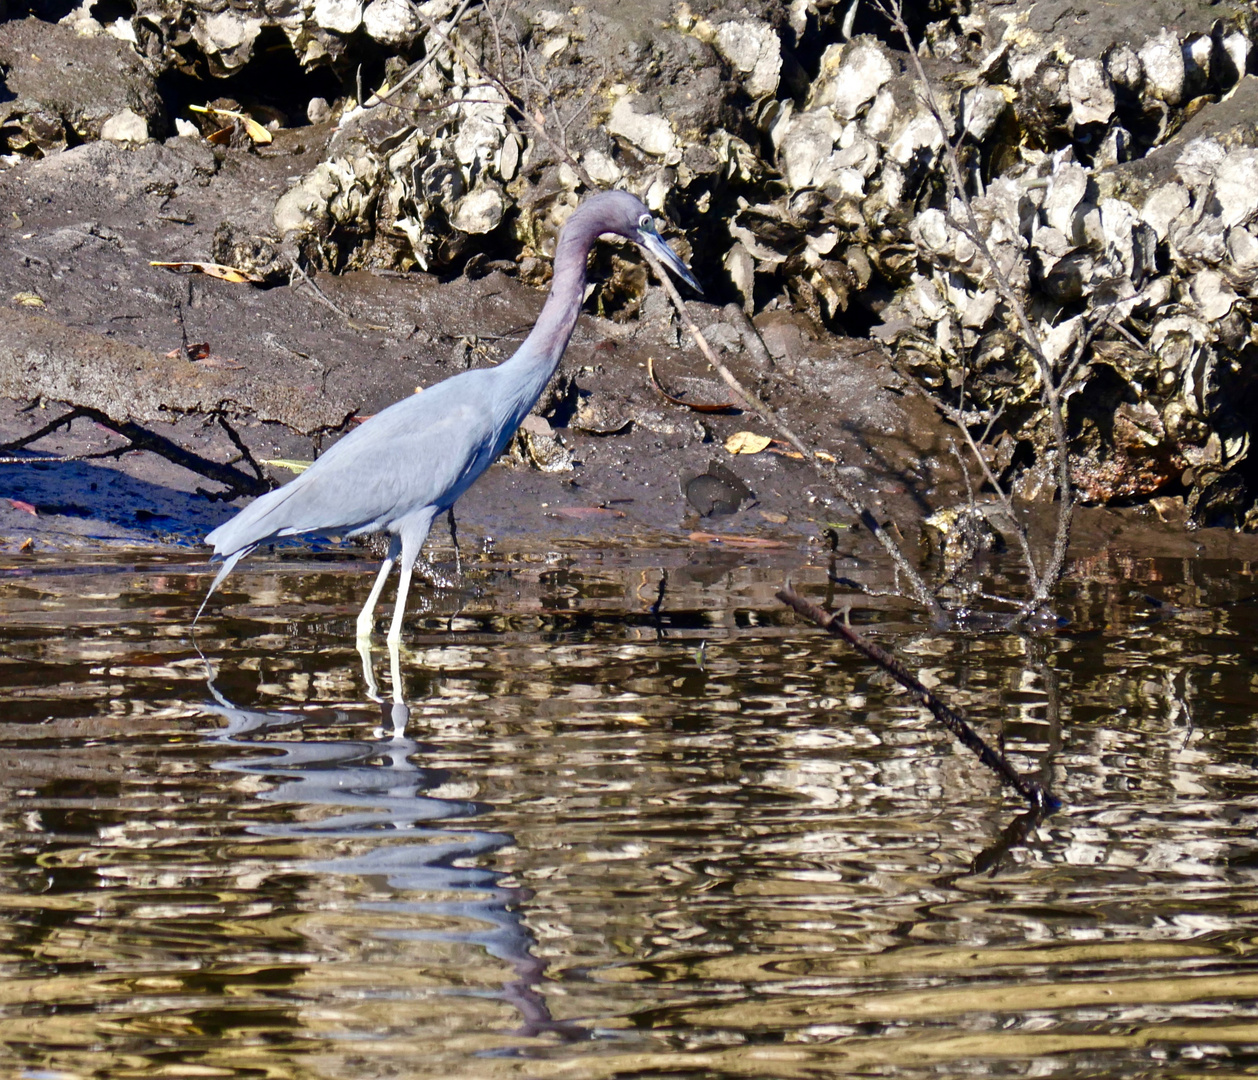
1032	792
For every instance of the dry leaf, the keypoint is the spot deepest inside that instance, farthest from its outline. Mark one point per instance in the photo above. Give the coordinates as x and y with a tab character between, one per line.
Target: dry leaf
774	516
225	273
587	511
25	507
256	131
697	406
736	541
192	351
28	299
296	465
747	442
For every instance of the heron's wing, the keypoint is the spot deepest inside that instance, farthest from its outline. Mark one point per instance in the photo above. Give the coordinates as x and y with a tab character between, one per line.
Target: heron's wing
422	451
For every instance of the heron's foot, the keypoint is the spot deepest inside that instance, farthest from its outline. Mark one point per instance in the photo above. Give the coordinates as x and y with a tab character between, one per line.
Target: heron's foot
369	675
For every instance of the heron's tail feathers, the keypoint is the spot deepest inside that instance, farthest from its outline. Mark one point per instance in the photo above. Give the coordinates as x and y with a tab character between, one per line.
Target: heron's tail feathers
229	564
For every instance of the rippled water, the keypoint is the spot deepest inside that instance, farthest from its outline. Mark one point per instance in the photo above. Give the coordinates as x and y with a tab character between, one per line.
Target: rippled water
597	843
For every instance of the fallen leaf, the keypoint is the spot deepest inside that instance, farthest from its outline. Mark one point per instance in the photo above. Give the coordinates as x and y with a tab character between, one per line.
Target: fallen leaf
225	273
28	299
27	544
736	541
25	507
296	465
192	351
827	457
696	406
747	442
587	511
256	131
774	516
219	362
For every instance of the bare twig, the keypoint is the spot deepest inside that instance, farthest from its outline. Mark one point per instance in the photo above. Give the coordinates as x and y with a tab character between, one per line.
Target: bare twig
921	591
297	272
417	68
535	124
1051	387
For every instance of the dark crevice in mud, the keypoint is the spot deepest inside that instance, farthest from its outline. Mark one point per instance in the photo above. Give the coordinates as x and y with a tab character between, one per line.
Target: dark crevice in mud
275	83
48	10
106	12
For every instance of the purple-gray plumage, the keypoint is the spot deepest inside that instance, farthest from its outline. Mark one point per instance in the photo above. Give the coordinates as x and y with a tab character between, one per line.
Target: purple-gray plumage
407	464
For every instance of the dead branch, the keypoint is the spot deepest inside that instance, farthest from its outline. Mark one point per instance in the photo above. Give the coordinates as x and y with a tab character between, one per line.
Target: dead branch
921	591
1029	789
957	191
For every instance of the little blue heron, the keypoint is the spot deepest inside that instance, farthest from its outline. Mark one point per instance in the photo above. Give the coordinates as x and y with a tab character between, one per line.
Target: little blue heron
409	463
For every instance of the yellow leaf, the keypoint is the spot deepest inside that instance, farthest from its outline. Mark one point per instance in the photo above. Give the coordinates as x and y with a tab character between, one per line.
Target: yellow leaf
827	457
746	442
28	299
291	464
226	273
256	131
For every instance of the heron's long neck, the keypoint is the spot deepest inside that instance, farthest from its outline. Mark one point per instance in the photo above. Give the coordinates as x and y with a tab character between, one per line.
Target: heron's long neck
528	371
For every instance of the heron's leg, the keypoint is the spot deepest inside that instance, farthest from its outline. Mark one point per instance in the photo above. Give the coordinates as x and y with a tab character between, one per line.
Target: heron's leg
454	537
369	676
364	616
395	672
410	552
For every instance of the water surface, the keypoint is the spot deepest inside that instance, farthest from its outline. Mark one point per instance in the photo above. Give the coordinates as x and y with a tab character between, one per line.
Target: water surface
594	842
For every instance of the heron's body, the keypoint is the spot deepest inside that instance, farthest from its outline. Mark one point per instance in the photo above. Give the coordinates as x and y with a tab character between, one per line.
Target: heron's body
413	460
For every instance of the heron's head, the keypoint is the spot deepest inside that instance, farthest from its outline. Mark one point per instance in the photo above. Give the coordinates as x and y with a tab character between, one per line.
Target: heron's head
626	215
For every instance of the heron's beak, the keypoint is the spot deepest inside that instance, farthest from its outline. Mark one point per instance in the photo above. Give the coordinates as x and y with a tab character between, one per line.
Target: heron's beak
656	246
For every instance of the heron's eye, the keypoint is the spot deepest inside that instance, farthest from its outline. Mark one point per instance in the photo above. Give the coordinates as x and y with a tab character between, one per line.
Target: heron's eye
646	223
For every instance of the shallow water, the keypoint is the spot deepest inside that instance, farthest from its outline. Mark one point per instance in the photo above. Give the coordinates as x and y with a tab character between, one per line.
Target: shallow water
596	843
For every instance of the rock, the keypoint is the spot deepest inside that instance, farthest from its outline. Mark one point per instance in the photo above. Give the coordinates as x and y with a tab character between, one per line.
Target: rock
125	126
226	39
647	131
391	22
65	86
1162	60
318	111
339	16
1091	96
752	49
851	76
480	211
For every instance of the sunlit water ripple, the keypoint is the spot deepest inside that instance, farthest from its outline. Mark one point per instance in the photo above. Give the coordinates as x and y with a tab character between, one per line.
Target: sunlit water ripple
596	843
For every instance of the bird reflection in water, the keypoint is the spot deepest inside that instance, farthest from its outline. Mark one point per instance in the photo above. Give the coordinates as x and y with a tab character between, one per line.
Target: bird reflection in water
382	794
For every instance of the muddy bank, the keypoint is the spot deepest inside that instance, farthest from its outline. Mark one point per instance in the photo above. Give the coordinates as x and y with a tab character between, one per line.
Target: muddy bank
787	153
286	369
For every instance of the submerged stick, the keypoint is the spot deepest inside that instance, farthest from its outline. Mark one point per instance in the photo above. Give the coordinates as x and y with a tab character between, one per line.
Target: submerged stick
1035	795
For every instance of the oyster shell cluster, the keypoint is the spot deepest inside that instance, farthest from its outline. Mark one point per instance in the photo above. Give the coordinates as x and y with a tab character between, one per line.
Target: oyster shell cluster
794	151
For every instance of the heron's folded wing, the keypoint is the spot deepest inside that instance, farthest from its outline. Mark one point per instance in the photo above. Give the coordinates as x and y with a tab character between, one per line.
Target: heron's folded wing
410	455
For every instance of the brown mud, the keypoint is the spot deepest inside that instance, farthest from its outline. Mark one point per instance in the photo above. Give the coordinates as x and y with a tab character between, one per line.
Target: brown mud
186	386
285	374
